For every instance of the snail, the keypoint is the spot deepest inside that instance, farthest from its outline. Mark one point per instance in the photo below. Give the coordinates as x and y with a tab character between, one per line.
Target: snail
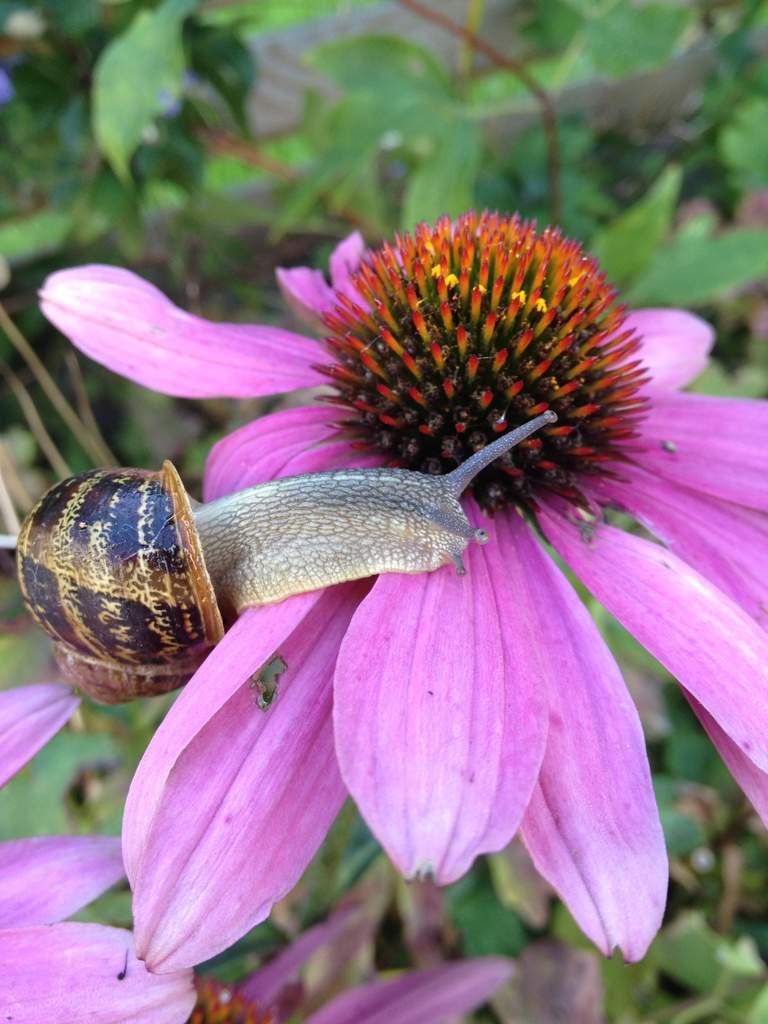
134	580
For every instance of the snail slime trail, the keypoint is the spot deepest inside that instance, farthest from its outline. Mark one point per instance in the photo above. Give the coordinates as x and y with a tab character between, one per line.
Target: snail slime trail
134	586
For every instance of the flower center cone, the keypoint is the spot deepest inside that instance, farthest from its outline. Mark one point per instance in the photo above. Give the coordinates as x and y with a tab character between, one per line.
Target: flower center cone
469	328
219	1004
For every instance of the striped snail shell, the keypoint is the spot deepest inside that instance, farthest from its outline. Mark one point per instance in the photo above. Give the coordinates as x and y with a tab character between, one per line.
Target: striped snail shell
110	565
133	581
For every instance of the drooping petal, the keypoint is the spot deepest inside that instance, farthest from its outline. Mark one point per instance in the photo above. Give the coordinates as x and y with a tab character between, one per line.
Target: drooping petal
592	826
86	974
128	325
714	445
675	345
440	723
247	795
434	996
256	635
344	262
335	455
258	451
727	543
308	293
29	716
699	634
753	781
286	443
265	986
46	879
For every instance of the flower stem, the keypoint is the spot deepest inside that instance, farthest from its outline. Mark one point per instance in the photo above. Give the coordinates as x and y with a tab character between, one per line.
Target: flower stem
95	446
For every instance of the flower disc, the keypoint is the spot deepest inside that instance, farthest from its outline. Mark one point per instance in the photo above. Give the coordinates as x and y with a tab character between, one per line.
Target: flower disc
219	1004
469	328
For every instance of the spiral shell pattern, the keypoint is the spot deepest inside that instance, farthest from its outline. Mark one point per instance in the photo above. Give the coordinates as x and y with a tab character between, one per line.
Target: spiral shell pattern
110	565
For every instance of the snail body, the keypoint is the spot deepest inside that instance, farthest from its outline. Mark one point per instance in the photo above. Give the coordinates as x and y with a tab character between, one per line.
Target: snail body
133	581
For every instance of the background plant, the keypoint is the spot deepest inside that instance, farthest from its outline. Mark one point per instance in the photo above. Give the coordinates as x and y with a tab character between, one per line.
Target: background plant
134	132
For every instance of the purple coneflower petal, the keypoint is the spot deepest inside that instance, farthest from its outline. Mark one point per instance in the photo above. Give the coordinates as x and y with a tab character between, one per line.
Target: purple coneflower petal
308	293
282	444
347	925
230	802
86	974
714	445
675	345
344	262
727	543
46	879
434	996
716	651
440	725
592	826
260	450
256	635
748	775
128	325
29	716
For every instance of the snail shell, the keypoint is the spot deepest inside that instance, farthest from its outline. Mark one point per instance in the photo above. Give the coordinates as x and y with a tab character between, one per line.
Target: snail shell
110	565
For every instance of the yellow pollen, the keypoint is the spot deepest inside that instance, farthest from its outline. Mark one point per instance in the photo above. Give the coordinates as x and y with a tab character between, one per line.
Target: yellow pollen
451	280
575	279
429	247
520	297
437	271
482	289
541	305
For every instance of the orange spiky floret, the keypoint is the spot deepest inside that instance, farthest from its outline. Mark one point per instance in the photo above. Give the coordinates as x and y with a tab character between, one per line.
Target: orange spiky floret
467	328
220	1004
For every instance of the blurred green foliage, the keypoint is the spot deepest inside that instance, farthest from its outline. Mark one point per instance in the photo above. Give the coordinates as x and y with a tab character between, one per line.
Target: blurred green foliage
127	135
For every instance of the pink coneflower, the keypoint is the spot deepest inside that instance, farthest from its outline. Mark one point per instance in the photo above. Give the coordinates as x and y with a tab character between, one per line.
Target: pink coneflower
65	972
454	710
29	716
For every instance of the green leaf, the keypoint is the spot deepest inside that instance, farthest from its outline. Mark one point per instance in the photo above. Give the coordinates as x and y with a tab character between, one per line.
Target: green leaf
485	925
688	755
743	145
758	1013
27	238
688	951
35	801
681	833
382	65
72	18
444	181
627	245
742	958
228	65
692	271
133	79
748	381
633	37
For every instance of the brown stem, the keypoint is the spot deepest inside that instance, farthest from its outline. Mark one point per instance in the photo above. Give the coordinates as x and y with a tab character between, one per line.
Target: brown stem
518	69
7	509
230	145
252	154
44	440
84	408
19	494
94	446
